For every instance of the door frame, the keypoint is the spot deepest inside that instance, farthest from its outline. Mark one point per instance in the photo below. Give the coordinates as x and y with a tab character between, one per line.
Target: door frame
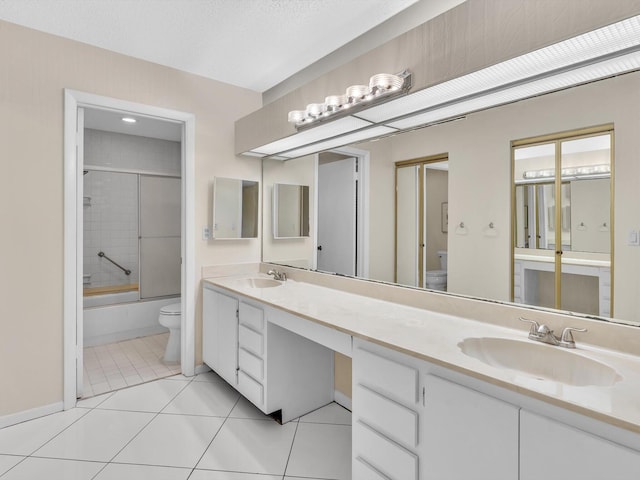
73	252
362	220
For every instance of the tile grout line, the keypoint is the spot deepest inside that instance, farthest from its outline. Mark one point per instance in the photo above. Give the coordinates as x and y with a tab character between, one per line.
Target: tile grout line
214	437
157	414
293	440
32	454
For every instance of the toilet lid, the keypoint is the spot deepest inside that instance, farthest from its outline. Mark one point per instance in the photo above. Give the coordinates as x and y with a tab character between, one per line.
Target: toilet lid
436	273
173	309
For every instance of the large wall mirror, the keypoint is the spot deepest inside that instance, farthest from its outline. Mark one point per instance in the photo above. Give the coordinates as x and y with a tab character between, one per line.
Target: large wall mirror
497	220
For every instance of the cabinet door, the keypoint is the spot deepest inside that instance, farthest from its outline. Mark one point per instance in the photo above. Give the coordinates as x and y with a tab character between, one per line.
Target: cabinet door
466	434
220	334
554	451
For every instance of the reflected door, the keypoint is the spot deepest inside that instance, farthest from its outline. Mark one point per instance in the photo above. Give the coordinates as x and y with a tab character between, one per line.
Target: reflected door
337	216
408	238
562	233
421	223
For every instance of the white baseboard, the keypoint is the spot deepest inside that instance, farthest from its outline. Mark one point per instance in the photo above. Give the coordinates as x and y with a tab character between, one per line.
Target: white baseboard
202	369
341	399
31	414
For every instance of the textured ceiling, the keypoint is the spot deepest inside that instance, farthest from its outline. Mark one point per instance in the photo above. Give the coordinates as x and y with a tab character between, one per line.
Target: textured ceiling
249	43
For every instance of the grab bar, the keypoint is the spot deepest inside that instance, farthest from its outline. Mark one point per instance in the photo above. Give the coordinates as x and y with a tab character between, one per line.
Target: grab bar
126	271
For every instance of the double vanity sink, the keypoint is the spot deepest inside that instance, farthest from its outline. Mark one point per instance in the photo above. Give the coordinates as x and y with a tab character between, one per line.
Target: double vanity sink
499	355
543	362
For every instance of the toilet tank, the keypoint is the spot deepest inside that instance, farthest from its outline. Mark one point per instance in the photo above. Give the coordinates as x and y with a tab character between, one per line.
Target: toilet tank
443	259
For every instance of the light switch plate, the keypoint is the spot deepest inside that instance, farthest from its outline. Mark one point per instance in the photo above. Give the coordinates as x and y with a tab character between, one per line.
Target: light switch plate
634	238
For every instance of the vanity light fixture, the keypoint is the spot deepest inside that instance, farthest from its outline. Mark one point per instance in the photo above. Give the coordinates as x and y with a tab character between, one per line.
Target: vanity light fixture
381	86
588	171
129	120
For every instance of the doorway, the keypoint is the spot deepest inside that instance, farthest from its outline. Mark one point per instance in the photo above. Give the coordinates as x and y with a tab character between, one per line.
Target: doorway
341	236
421	221
75	105
131	248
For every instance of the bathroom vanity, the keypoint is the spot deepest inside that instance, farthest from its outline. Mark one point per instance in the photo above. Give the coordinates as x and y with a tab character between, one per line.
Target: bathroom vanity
431	400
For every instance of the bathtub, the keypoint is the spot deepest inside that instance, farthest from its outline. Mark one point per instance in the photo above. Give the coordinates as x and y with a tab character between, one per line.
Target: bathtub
114	317
109	299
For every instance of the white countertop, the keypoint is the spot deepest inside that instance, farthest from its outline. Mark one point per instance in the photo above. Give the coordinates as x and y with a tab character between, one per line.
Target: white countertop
434	337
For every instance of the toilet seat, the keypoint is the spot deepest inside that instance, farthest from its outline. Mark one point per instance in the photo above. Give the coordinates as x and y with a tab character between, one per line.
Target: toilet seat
171	317
173	309
435	274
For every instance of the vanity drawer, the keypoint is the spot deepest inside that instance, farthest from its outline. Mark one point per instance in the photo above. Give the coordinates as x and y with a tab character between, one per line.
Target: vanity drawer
251	316
363	471
382	375
250	340
387	416
384	455
250	388
249	363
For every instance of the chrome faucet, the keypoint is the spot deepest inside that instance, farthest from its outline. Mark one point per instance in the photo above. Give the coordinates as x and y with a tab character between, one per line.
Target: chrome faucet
542	333
278	275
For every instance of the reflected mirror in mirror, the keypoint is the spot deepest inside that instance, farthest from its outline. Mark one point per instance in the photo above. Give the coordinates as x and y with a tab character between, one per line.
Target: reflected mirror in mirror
562	234
484	231
290	211
235	208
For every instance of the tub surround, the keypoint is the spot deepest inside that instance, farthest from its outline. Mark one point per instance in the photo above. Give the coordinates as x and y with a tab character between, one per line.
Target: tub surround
429	326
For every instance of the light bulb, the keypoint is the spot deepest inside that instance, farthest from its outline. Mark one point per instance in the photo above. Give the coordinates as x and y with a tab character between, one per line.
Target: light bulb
355	93
383	82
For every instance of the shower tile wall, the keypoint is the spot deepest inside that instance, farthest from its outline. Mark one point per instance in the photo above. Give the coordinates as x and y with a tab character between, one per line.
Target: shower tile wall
111	226
111	220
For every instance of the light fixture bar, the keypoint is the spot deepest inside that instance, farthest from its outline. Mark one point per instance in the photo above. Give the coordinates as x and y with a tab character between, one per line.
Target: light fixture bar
382	87
594	70
321	132
569	53
340	141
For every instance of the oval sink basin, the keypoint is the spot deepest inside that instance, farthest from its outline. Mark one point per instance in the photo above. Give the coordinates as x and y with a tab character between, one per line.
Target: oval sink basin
540	361
260	282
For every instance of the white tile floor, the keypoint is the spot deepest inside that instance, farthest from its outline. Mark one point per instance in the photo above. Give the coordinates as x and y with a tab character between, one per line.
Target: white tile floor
123	364
177	428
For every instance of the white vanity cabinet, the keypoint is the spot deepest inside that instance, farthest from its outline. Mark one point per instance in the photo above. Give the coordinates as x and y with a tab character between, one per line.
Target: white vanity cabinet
411	425
555	451
220	333
385	414
467	434
274	368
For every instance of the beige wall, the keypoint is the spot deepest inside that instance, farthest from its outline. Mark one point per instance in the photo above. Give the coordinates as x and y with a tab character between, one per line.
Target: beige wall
480	179
34	70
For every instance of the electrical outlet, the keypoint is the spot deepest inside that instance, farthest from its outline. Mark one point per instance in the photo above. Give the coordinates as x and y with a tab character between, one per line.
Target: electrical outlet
206	232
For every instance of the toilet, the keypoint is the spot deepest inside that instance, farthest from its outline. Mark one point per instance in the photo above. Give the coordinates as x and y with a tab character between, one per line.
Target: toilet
437	279
170	317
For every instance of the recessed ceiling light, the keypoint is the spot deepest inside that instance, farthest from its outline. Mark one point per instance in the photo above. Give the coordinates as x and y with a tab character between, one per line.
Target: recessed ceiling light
129	120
